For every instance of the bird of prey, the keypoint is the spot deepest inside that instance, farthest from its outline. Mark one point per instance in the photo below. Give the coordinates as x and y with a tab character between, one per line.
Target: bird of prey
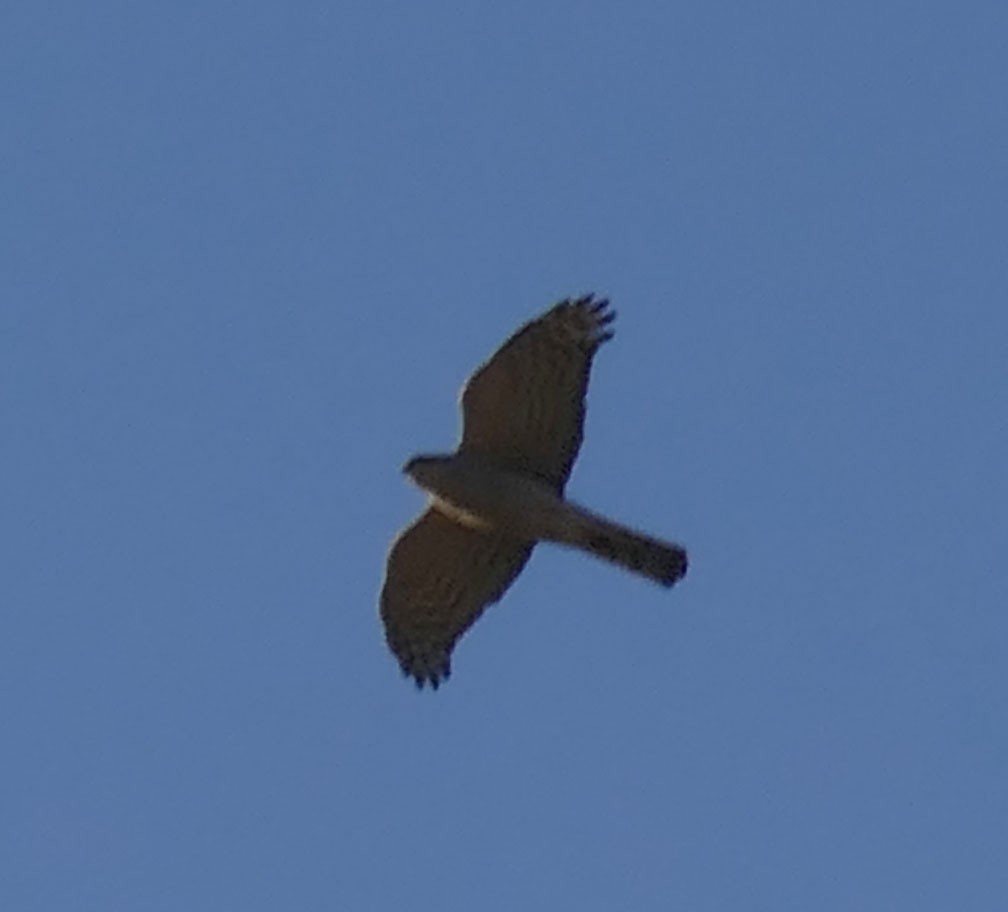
502	491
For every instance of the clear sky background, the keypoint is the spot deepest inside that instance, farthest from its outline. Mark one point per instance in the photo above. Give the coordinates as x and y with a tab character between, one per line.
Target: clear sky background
250	252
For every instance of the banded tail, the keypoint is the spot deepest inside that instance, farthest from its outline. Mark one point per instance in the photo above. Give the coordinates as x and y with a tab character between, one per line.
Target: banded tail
661	561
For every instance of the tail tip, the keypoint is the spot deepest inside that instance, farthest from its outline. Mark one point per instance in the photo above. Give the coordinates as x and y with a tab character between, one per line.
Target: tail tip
675	568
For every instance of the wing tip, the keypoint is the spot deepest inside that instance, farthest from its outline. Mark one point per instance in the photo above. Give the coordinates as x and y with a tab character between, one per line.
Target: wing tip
598	312
425	673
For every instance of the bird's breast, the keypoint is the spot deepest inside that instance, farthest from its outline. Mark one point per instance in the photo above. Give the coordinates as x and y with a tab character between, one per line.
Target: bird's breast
458	514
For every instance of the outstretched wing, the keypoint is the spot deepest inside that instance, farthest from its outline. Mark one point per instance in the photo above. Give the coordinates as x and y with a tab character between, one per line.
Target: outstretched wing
440	578
524	408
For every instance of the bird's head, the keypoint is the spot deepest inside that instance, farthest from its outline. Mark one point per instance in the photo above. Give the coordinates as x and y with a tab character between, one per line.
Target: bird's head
424	469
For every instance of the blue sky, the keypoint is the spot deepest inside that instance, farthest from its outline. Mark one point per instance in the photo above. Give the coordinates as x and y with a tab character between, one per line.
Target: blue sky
251	251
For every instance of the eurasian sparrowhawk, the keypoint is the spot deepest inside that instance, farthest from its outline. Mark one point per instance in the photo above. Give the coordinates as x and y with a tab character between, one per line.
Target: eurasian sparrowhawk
502	491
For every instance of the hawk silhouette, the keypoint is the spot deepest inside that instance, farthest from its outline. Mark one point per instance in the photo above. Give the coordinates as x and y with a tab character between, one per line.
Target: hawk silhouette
502	491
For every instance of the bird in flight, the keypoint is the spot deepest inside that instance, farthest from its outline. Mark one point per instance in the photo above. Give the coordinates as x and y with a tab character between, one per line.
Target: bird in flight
502	491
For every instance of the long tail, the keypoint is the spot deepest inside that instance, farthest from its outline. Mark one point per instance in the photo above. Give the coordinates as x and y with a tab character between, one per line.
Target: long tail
661	561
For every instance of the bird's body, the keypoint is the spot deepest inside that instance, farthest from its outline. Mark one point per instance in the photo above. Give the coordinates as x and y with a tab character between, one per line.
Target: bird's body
486	497
513	502
502	491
